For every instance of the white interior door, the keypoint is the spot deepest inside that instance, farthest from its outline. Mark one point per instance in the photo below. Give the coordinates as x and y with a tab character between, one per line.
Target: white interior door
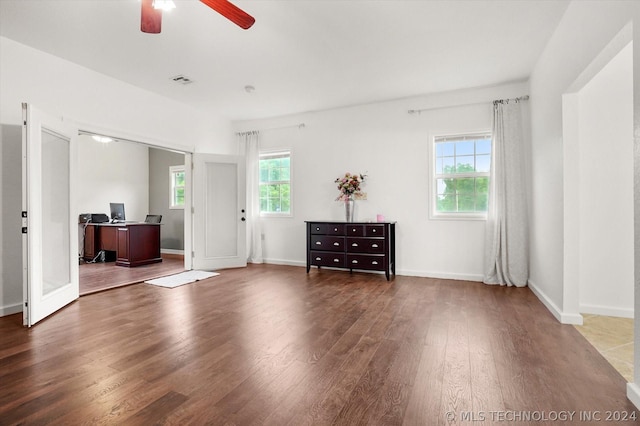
50	243
219	219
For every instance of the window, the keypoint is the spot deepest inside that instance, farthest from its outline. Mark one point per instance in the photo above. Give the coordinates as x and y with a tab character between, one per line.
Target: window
176	178
275	183
461	175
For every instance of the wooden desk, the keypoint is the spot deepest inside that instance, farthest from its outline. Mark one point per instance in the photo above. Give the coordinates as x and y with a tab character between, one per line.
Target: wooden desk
135	244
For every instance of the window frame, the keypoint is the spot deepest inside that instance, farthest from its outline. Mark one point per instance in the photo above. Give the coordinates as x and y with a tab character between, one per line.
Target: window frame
434	176
263	154
172	187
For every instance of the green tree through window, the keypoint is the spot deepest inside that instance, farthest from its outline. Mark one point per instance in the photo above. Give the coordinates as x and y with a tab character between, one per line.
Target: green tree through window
462	166
177	177
275	183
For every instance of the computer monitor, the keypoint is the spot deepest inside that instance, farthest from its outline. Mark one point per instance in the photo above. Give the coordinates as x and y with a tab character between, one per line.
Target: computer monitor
117	211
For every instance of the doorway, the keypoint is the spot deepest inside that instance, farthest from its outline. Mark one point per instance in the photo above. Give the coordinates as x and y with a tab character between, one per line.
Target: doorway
137	175
599	211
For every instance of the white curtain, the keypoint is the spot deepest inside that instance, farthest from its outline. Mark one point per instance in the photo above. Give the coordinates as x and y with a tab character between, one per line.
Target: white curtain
251	143
507	245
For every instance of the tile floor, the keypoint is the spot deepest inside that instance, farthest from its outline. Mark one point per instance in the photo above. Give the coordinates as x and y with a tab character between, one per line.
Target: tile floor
613	337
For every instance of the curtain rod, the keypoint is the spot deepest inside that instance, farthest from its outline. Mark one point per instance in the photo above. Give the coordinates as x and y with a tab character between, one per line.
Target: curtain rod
518	99
299	126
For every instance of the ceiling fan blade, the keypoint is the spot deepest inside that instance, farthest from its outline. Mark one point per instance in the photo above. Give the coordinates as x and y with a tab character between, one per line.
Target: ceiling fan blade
231	12
150	18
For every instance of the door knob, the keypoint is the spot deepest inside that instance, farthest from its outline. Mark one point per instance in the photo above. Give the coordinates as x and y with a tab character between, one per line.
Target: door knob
243	219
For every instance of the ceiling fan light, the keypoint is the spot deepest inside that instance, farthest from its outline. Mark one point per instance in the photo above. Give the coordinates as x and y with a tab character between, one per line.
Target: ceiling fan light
164	4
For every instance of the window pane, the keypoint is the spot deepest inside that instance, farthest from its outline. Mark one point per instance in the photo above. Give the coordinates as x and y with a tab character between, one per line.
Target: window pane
465	148
466	203
466	186
274	174
464	164
179	178
482	202
483	163
446	203
448	165
445	149
264	173
285	173
483	146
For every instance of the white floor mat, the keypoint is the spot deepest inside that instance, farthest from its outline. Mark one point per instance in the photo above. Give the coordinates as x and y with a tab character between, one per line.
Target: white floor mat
182	278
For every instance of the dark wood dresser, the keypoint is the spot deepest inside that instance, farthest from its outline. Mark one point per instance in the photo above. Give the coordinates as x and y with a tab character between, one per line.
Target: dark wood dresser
352	245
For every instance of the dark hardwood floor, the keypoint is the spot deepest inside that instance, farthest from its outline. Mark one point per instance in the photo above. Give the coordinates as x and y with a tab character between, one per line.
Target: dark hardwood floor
95	277
273	345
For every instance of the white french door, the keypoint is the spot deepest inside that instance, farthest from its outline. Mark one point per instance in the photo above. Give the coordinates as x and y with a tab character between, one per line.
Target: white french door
49	227
219	218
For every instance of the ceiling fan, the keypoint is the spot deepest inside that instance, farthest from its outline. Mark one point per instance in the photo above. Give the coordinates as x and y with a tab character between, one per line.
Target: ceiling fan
151	16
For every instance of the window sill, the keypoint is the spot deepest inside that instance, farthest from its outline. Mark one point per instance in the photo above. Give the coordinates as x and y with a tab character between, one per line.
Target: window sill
176	207
459	216
275	215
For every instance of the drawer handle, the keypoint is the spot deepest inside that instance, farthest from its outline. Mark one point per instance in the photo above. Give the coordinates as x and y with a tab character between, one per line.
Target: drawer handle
318	258
354	261
336	260
335	229
317	229
354	245
353	230
375	262
374	231
374	246
318	243
336	244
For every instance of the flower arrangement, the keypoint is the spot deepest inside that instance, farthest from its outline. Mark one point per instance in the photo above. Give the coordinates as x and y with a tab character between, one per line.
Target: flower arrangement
349	186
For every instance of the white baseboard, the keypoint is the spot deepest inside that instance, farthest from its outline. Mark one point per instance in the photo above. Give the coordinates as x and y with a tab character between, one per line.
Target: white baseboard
607	311
285	262
564	318
633	393
441	275
10	309
405	272
172	251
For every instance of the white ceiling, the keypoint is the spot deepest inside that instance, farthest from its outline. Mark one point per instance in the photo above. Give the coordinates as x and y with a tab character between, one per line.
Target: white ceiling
301	55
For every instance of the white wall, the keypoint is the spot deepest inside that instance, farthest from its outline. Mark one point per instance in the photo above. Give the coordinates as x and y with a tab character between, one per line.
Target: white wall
116	172
10	207
605	188
584	31
391	146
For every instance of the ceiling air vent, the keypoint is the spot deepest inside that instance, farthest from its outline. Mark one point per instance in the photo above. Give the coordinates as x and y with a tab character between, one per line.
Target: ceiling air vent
182	79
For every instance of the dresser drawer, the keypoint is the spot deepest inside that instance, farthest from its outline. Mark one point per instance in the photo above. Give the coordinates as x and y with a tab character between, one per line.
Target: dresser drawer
355	230
363	261
327	242
327	229
374	230
323	258
368	230
365	245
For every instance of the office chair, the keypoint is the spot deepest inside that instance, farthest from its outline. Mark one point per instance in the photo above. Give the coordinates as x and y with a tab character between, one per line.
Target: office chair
153	218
